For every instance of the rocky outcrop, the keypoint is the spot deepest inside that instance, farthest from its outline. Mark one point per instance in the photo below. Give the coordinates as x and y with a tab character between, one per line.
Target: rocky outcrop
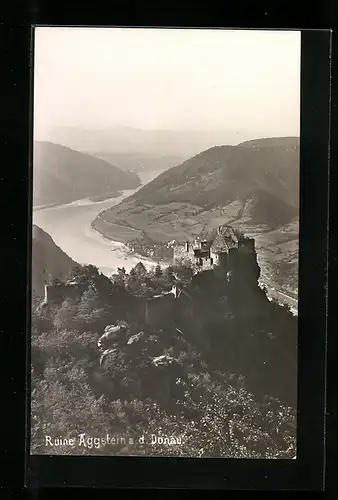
135	338
113	334
163	360
105	353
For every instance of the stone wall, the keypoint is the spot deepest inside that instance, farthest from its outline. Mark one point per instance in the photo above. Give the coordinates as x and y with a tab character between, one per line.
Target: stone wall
153	312
246	246
159	310
205	263
56	294
245	270
181	253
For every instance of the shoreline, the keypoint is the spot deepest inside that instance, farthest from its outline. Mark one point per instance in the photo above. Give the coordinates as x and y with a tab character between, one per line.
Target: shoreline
37	208
75	203
120	193
119	245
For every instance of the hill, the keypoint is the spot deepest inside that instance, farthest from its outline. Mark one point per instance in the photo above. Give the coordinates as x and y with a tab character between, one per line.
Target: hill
256	171
48	261
253	186
62	175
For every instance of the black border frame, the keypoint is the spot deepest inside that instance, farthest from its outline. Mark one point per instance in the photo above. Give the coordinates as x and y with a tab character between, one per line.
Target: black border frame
307	471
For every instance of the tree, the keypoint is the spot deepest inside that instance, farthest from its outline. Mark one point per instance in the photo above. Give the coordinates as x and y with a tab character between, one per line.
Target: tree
137	282
89	301
64	316
140	269
63	404
104	287
120	277
41	322
74	272
83	274
183	272
169	276
158	273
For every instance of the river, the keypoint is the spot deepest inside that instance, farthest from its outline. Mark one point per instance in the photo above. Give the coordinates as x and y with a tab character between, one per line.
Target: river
70	227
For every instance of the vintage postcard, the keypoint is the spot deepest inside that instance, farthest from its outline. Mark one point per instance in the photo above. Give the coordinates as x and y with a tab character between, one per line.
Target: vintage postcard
165	242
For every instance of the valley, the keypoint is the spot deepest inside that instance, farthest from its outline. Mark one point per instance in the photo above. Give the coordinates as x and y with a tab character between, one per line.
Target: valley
69	225
146	164
224	185
252	187
163	287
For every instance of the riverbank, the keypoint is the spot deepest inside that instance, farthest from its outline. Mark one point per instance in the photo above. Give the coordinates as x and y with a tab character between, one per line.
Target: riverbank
43	207
82	201
104	197
70	226
127	253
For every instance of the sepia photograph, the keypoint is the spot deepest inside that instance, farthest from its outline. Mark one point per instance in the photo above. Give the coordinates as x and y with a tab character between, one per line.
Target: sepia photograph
165	242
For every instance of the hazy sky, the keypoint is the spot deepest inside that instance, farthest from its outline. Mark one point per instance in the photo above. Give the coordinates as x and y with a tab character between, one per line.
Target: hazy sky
167	79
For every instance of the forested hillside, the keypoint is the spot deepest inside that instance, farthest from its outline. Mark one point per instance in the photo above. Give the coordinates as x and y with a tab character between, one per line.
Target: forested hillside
62	175
218	375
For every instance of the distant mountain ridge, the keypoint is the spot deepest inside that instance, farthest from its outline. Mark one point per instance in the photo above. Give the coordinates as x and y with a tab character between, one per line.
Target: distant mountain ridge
62	175
48	261
182	143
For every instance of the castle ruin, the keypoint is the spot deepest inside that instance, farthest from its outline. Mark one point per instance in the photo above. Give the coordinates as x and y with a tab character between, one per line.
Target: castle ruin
229	254
217	253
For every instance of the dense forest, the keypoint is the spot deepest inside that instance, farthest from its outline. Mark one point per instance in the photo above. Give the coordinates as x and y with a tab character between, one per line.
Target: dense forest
217	379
